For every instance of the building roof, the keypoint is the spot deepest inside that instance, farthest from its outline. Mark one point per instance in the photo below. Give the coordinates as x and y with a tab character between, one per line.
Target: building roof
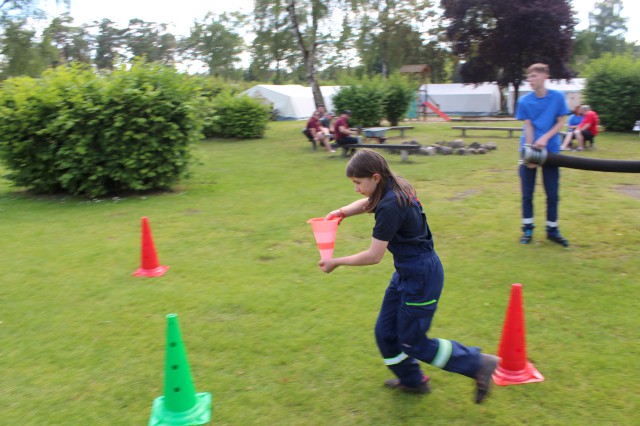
418	68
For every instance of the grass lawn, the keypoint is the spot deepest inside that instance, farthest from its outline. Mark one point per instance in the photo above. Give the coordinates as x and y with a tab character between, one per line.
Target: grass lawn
278	342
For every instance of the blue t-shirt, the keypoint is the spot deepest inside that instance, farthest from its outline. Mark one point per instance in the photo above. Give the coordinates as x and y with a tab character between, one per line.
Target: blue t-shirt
574	120
543	113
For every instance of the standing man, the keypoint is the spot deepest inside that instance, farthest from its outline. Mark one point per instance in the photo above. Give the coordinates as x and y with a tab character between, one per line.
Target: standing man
544	112
588	128
342	134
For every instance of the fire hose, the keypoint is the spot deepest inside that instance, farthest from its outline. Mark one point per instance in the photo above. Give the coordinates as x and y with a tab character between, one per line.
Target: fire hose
531	155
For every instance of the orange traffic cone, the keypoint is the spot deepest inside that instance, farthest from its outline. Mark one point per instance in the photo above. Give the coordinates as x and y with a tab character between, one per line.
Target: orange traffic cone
325	232
149	259
514	368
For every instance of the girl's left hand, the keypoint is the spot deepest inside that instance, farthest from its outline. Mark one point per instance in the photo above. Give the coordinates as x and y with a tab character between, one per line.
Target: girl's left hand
327	265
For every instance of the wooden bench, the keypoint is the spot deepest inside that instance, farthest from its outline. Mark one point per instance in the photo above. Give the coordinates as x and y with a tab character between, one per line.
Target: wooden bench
504	129
404	148
401	128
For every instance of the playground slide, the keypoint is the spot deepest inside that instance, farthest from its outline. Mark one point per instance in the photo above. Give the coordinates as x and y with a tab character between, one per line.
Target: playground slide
435	109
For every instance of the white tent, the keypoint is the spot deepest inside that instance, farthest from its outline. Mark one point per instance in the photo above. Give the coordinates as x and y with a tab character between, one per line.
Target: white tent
464	99
291	101
572	91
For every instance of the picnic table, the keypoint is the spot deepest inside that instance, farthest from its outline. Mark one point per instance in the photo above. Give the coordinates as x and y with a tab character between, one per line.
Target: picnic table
380	133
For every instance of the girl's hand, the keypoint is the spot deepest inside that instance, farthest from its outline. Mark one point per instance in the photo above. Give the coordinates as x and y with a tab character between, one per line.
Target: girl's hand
335	214
328	265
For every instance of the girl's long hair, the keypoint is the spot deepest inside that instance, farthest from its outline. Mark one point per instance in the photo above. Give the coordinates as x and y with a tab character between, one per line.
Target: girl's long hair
365	163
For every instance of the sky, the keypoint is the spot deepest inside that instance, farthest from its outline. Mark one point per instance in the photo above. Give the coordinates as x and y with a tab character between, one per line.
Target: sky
181	14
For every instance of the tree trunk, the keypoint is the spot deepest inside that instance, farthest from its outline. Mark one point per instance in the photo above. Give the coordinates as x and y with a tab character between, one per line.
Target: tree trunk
308	52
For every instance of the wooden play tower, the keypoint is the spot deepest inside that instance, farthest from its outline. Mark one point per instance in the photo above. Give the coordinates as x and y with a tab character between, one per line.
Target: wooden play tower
419	74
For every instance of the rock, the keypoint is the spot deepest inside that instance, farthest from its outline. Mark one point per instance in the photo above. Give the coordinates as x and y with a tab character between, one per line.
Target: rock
429	150
489	146
456	144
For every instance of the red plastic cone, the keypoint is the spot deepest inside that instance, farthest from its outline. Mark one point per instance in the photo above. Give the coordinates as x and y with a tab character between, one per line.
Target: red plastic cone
514	368
325	232
149	259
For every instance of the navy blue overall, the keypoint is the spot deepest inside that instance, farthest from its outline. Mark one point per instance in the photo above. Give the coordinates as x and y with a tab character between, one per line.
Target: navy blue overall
409	304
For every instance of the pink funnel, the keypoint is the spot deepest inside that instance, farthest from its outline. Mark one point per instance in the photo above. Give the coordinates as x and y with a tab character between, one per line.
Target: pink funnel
325	232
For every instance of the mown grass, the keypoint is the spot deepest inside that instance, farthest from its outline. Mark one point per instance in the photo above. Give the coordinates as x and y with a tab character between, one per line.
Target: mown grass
278	342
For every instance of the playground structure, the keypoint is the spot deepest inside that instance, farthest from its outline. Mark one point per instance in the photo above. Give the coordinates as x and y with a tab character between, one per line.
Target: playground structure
419	73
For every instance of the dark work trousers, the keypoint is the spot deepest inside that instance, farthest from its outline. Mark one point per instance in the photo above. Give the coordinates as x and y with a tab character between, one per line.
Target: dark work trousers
551	181
407	309
347	140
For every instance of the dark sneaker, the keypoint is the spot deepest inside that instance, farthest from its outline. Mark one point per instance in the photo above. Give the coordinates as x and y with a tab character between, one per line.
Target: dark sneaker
559	239
488	364
527	236
423	387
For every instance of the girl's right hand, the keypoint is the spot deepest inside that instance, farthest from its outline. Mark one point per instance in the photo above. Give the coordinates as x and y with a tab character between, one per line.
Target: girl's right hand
328	265
335	214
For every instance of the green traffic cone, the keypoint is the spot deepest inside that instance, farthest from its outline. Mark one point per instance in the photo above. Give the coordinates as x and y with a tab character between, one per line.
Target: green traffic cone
180	405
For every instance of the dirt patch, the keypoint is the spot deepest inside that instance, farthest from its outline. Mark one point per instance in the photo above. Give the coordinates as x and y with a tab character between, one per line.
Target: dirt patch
463	195
630	190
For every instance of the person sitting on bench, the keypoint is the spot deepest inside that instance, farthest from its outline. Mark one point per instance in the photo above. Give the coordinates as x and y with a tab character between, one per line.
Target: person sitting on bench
588	129
572	123
343	135
325	119
315	132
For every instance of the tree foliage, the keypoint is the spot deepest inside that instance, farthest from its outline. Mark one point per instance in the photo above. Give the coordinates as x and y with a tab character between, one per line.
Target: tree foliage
613	84
605	34
498	39
274	47
214	42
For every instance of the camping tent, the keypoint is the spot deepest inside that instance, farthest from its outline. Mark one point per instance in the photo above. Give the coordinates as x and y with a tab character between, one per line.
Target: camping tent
291	101
572	91
463	99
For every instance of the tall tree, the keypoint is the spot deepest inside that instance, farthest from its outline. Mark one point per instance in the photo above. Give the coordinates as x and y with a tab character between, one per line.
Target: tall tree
274	47
498	39
109	45
20	9
305	22
70	42
391	34
19	54
214	42
605	34
151	41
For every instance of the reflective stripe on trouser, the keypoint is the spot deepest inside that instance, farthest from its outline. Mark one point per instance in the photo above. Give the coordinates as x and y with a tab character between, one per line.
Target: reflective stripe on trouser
551	182
401	334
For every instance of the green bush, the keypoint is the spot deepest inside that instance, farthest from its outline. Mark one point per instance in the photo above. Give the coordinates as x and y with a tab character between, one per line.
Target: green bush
372	99
77	132
613	84
399	94
366	98
230	116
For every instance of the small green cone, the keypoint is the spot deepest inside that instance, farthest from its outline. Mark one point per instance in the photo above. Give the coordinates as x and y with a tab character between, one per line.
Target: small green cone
180	405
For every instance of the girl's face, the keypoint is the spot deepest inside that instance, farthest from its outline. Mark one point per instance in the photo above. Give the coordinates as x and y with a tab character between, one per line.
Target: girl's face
366	186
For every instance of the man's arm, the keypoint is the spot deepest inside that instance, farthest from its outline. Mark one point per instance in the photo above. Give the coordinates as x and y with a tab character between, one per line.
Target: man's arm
345	130
528	132
585	125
